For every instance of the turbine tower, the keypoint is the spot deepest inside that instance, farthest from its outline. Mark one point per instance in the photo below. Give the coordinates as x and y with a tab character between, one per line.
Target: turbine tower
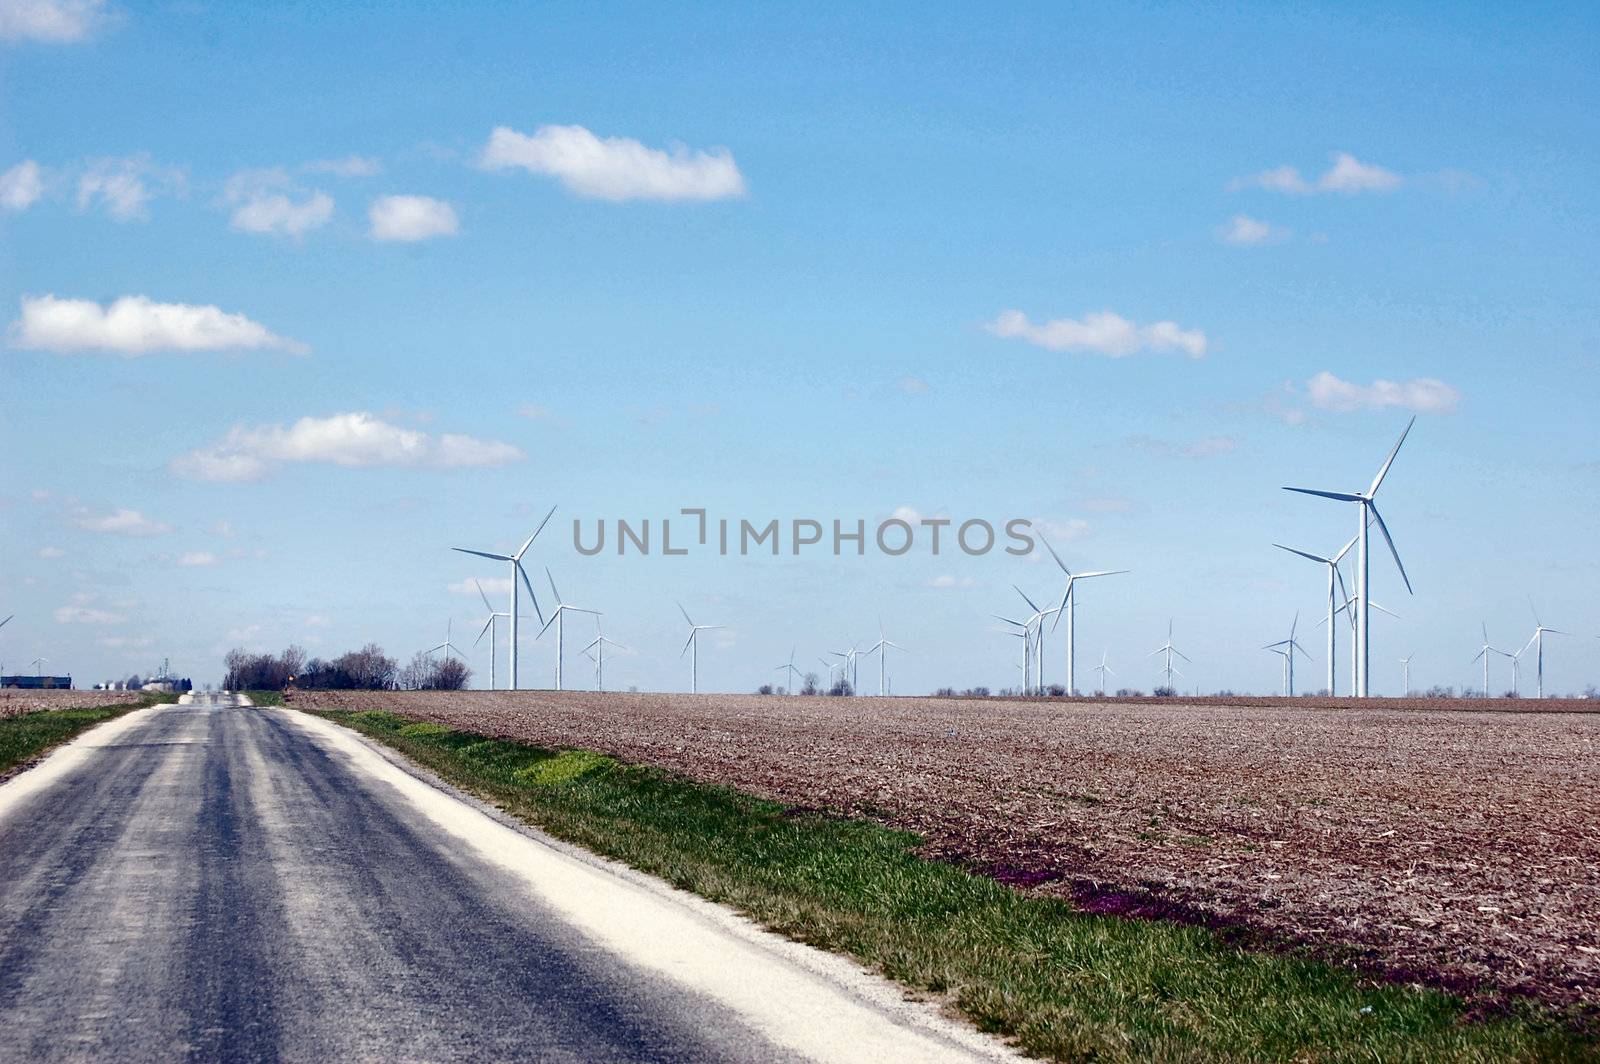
492	628
1069	607
1288	647
1367	514
1405	665
881	648
555	619
1036	624
1537	643
1027	649
1334	575
1168	650
517	572
692	648
38	665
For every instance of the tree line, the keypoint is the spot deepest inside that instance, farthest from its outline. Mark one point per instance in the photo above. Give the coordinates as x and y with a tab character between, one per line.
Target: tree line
367	669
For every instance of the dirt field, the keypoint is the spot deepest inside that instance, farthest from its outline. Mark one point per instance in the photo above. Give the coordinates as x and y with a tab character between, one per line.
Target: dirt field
1458	848
15	703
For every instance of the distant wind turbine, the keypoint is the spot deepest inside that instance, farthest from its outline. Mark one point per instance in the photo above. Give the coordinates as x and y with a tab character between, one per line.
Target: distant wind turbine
1069	608
1349	610
1333	575
1287	648
1537	643
38	665
490	627
692	648
1169	650
1484	652
852	663
447	646
1405	664
598	648
517	572
1103	668
881	648
1036	623
1368	514
789	668
555	619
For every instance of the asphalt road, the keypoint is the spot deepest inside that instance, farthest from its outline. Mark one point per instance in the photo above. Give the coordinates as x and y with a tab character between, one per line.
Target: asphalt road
226	883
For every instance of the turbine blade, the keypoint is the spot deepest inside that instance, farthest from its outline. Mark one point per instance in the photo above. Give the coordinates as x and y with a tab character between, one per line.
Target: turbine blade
1302	553
1342	496
484	554
1182	655
686	642
552	580
536	532
485	628
529	585
1026	599
481	595
1337	558
1059	563
1377	480
551	621
1387	539
685	617
1101	572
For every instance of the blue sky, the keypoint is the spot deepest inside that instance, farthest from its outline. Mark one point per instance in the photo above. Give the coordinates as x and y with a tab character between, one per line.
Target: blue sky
1122	272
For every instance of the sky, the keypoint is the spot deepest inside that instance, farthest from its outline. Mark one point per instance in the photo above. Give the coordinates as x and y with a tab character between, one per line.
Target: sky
297	297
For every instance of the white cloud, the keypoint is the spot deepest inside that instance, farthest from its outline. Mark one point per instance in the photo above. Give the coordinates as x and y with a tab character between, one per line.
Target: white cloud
124	522
317	620
1347	175
914	385
1104	332
137	325
123	188
1206	447
1068	531
492	586
411	218
354	440
615	168
53	21
197	559
51	552
947	581
1425	395
126	642
269	201
349	166
85	615
1245	231
906	514
223	528
22	185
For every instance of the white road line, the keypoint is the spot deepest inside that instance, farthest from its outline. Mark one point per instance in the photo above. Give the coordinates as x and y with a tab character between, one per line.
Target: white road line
812	1003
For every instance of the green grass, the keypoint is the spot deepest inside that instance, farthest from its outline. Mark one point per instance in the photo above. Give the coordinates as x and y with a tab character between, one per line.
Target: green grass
26	737
1064	984
264	698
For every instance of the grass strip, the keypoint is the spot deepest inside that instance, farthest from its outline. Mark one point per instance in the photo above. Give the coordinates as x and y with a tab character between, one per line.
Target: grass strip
1064	984
28	736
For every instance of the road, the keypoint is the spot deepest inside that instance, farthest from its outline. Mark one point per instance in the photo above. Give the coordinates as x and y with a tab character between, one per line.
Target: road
219	882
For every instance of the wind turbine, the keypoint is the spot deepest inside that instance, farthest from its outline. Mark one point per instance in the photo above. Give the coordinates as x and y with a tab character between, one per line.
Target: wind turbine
1405	664
38	666
1289	647
1027	649
447	646
601	641
1484	652
692	648
1036	623
555	619
852	663
1333	575
1537	643
1168	650
833	666
490	627
1368	513
881	648
517	571
1069	607
1103	668
790	669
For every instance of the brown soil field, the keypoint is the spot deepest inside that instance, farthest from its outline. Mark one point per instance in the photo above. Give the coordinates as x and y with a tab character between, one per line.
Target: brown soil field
16	703
1460	849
